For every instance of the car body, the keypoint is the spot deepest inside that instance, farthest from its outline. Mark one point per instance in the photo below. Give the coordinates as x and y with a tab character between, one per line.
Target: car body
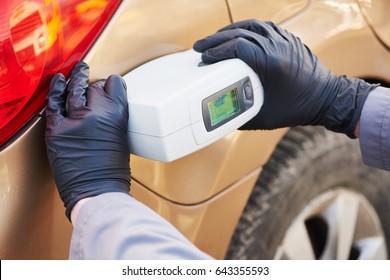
205	193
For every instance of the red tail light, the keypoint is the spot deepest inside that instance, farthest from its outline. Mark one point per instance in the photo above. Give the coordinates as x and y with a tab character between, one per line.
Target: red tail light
37	39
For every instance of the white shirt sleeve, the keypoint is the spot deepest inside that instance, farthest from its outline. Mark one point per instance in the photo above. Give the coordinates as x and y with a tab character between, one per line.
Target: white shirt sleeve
374	135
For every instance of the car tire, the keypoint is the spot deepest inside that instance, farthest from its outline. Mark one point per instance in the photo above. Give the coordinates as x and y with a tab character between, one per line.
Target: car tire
311	177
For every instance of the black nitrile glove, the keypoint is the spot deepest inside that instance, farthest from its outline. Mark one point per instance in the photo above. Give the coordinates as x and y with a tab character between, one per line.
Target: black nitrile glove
298	89
86	136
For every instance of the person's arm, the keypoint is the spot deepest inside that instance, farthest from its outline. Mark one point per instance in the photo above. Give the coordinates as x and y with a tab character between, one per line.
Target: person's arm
374	129
88	152
86	136
298	89
117	226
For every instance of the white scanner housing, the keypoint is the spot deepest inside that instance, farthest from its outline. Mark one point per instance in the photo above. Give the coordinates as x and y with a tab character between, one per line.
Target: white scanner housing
177	106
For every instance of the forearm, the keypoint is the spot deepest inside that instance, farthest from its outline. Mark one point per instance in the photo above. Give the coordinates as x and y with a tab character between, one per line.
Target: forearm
117	226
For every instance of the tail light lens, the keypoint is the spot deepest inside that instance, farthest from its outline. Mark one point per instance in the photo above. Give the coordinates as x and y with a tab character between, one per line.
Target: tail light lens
37	39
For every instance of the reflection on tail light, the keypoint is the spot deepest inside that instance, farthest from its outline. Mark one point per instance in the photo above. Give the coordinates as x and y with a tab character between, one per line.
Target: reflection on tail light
37	39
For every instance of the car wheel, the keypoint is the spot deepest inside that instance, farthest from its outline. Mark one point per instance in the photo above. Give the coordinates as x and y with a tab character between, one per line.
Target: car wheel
315	199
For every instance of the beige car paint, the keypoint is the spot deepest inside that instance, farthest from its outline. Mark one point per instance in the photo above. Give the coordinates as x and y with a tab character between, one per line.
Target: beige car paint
377	13
215	218
276	11
33	224
204	193
338	34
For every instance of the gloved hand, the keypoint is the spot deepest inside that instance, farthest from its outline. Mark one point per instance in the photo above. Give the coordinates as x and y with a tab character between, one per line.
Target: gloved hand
86	136
298	89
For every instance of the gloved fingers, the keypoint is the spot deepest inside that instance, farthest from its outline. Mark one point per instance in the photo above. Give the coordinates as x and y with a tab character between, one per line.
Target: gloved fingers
241	48
97	98
259	27
214	40
225	36
116	88
56	98
266	29
282	32
77	87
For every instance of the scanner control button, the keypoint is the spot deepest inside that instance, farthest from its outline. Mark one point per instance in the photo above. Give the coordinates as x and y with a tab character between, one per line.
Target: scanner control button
248	92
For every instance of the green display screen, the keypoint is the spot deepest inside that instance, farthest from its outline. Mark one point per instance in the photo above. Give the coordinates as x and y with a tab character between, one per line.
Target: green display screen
223	107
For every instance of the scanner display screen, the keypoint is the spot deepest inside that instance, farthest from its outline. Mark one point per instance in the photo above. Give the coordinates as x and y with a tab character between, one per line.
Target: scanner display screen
223	106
